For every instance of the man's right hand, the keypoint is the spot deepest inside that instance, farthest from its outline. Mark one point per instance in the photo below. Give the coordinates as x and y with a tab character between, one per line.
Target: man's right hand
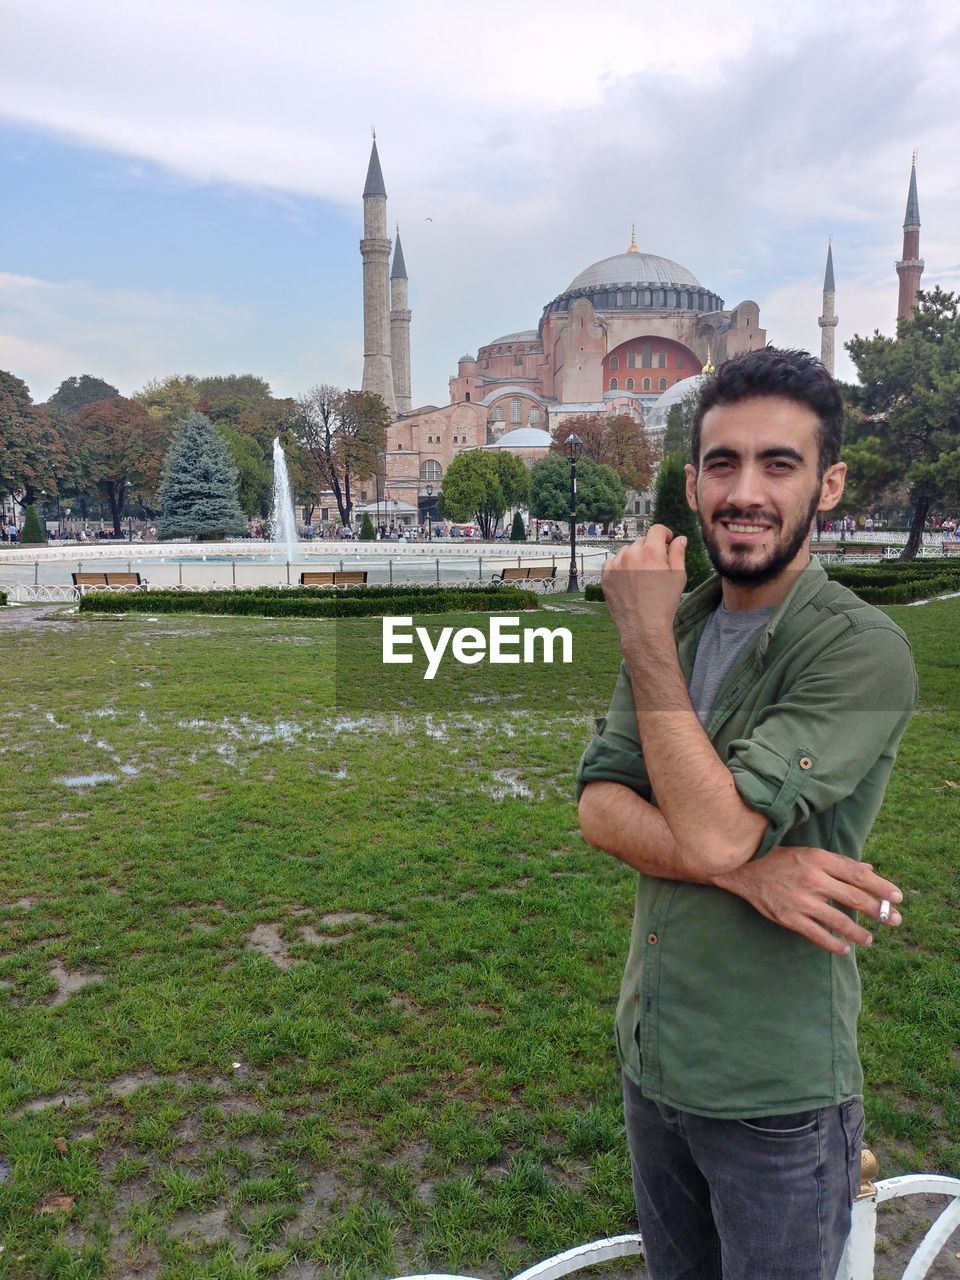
797	887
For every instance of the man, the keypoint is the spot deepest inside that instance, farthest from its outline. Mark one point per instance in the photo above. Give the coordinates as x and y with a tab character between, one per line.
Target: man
739	770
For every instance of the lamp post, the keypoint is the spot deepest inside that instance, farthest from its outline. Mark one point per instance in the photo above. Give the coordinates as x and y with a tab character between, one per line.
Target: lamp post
430	512
573	447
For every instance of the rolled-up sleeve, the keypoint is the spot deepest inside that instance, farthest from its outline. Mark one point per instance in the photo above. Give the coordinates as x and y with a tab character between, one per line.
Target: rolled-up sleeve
840	718
615	754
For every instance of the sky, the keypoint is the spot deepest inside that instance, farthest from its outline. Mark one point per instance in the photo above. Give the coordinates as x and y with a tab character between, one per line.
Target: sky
183	182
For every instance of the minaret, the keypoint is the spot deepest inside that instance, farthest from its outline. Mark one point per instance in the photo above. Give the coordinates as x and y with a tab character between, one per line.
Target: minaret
400	330
910	266
828	321
375	251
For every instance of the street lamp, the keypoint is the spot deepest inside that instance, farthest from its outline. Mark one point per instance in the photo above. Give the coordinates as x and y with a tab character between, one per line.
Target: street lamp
430	512
573	447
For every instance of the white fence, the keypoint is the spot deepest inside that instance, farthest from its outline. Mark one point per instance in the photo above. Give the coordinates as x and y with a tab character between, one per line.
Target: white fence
858	1259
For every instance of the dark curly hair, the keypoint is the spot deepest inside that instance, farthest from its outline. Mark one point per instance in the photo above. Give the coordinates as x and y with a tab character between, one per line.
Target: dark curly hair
796	375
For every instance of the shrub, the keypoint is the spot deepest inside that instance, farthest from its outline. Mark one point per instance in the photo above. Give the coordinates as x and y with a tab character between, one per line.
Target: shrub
367	531
32	532
670	508
3	599
518	533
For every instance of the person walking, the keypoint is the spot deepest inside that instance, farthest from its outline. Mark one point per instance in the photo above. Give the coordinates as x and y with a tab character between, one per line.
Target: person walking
743	760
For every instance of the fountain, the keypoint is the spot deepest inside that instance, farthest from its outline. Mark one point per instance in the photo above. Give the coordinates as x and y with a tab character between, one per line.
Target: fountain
283	522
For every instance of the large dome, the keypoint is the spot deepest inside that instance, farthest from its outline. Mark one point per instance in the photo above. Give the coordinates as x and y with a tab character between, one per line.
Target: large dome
633	268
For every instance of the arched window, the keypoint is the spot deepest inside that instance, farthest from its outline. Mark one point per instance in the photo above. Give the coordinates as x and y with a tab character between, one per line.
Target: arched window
614	362
619	298
515	409
430	470
613	384
647	298
633	297
629	384
646	384
468	397
663	384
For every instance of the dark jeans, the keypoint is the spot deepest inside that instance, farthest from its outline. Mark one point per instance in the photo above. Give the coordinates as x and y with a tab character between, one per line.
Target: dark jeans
759	1199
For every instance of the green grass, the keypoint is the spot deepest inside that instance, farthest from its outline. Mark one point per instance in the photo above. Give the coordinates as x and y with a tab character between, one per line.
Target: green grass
430	1084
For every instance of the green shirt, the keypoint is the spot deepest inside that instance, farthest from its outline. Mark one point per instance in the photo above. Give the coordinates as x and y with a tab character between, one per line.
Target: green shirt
722	1012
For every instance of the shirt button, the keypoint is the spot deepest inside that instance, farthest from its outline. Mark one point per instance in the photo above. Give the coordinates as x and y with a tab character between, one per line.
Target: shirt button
806	762
652	939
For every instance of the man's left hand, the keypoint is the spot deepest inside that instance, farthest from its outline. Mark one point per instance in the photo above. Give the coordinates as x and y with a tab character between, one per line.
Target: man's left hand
642	586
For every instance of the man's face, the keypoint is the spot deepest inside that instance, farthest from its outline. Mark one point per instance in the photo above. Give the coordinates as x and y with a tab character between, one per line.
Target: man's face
757	490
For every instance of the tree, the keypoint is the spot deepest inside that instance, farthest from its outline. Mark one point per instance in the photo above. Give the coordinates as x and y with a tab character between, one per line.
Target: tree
670	508
254	471
198	493
519	531
31	449
905	428
600	493
481	484
678	436
32	531
367	531
343	435
73	393
118	449
619	442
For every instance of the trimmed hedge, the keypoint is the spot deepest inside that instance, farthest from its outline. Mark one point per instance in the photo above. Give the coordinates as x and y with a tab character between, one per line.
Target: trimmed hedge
315	602
593	591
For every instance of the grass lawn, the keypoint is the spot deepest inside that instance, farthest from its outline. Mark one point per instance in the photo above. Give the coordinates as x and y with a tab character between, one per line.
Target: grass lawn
320	979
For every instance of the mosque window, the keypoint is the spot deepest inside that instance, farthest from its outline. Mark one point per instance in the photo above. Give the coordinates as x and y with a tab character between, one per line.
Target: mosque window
619	298
430	470
661	359
647	298
515	410
518	359
629	384
631	359
648	357
614	384
533	417
633	297
614	362
497	415
671	298
661	298
646	384
468	397
663	384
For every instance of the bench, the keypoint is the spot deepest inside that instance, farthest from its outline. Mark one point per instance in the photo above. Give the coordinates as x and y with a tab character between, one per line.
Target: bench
108	582
543	574
951	546
334	578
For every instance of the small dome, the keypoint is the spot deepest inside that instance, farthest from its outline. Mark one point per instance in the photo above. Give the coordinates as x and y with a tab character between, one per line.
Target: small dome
523	438
656	419
468	359
633	269
524	335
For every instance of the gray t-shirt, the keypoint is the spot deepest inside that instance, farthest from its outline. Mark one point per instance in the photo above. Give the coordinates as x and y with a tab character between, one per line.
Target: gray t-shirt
724	637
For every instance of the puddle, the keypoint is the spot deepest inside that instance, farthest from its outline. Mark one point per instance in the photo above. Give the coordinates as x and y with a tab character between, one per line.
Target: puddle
52	719
144	684
507	783
69	983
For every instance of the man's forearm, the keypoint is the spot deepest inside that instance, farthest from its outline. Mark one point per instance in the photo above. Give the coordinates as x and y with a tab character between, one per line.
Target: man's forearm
695	791
618	821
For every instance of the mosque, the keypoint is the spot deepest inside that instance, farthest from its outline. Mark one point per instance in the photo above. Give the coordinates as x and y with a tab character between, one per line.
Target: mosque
626	336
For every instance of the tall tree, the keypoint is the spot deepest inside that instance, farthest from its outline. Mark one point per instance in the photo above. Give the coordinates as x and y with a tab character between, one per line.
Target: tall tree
31	449
73	393
198	492
905	429
600	492
670	508
619	442
342	435
119	449
481	484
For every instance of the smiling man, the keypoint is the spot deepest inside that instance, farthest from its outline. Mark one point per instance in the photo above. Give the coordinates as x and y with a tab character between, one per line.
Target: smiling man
744	758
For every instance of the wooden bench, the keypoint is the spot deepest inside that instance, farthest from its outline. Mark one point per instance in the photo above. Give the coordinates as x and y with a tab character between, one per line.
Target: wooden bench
951	546
334	578
541	573
108	582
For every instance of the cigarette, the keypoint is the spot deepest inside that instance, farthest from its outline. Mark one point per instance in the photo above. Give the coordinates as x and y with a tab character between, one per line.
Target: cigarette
884	910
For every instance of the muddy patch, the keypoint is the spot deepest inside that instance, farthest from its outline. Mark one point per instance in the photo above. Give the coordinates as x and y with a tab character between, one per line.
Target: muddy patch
69	982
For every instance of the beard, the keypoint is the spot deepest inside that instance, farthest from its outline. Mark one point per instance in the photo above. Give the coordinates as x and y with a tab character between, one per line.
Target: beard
739	566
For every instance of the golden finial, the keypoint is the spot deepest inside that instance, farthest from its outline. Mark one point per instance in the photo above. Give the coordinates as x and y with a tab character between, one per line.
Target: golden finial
709	366
373	132
633	239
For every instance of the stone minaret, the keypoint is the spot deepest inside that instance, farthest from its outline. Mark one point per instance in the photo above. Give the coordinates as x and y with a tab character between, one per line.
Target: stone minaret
375	251
400	330
828	321
910	266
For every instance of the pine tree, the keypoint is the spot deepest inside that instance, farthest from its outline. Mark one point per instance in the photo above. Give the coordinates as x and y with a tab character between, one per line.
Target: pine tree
198	493
670	508
519	532
32	530
367	531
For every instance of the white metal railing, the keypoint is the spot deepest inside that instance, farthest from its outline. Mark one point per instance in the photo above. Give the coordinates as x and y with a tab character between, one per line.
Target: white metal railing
859	1256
